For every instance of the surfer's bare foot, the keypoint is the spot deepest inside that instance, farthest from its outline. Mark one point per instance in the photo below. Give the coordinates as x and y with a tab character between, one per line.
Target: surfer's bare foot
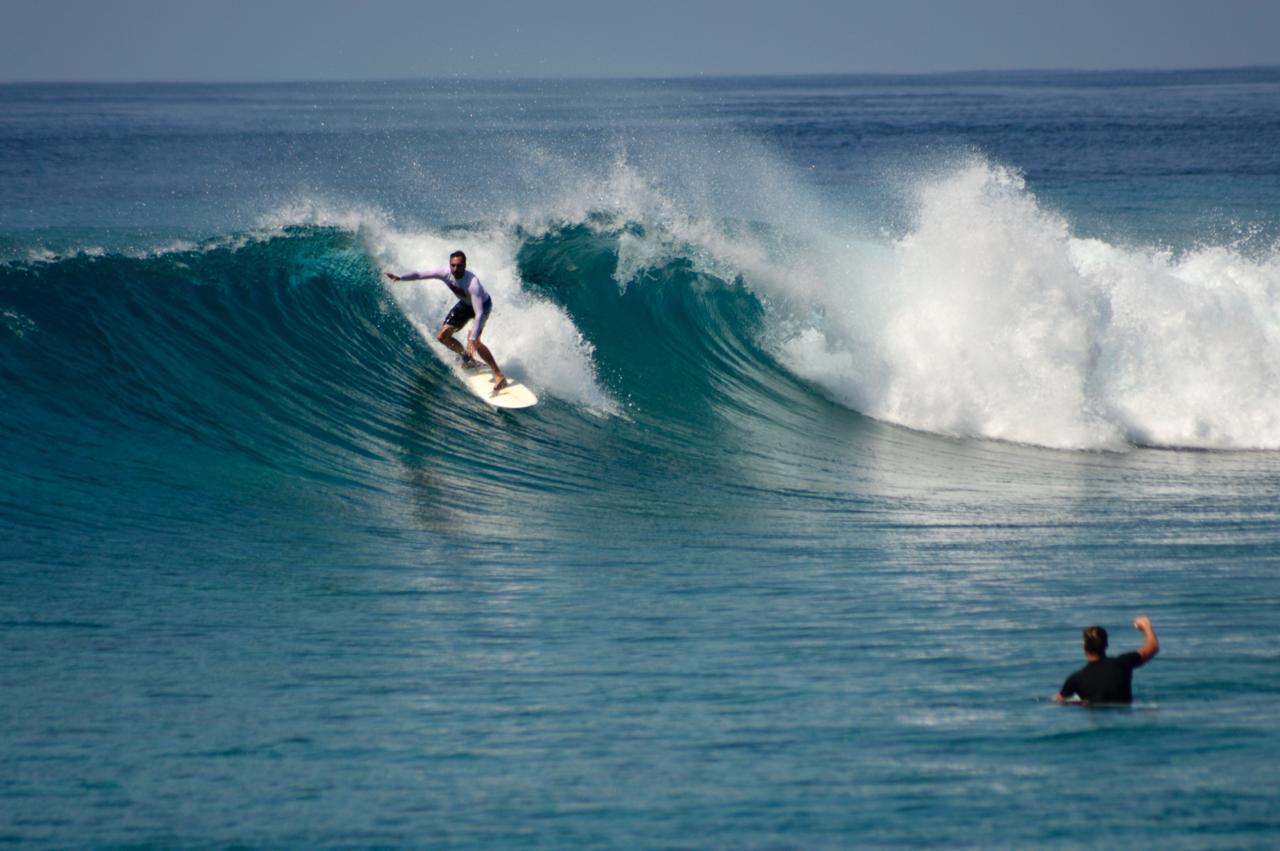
499	381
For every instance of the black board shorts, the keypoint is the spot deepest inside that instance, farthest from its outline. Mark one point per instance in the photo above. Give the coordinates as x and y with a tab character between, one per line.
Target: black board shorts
462	313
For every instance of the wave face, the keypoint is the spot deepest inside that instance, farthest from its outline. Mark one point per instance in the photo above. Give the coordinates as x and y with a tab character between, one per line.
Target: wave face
288	349
984	318
269	349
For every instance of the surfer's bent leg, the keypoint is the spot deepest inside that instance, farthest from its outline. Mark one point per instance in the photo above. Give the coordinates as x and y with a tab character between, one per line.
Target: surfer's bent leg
456	318
445	336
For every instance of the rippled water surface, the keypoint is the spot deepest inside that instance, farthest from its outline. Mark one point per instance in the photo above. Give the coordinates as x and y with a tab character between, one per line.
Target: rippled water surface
860	398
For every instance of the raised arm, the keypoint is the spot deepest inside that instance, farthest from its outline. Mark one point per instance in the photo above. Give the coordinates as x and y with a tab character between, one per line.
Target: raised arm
1151	646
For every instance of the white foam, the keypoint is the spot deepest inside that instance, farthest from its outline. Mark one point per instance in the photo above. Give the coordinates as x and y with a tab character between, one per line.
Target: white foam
989	319
42	255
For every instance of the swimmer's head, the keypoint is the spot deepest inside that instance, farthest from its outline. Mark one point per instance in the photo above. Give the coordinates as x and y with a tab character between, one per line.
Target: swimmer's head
1095	641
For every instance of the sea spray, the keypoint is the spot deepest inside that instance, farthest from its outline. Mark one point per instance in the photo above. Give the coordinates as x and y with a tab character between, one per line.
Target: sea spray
1191	354
1000	324
981	326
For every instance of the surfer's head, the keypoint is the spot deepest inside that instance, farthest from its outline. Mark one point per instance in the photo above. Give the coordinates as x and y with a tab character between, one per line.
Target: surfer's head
1095	641
457	263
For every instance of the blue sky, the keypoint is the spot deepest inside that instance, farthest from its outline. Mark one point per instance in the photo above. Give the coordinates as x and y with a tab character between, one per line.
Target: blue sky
230	40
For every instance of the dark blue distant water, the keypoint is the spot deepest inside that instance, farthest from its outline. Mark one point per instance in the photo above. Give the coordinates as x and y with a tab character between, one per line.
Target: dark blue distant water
860	397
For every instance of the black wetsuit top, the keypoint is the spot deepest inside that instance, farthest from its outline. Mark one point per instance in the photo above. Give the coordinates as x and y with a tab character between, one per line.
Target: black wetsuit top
1108	680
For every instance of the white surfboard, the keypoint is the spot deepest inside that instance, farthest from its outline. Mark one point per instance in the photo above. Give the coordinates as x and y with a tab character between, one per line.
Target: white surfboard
479	380
514	395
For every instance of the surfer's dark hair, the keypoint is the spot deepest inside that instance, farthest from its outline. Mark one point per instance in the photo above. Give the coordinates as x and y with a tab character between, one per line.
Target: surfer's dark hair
459	254
1095	640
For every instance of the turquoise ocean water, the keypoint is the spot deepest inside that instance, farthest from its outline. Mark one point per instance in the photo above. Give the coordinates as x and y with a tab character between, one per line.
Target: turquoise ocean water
860	397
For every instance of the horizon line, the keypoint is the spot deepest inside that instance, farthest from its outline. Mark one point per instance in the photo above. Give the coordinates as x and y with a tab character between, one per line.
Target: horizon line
975	72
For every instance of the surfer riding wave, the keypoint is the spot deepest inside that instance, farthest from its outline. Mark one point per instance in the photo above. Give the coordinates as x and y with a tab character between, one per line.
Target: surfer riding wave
473	303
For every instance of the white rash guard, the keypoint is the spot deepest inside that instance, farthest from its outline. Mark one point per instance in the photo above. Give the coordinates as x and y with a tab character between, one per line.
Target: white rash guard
468	289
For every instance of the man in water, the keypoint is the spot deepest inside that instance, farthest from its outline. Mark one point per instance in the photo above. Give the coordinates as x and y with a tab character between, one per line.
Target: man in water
473	303
1109	679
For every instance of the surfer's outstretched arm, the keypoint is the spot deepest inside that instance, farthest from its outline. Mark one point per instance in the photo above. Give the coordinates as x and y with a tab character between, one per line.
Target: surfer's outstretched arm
434	275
